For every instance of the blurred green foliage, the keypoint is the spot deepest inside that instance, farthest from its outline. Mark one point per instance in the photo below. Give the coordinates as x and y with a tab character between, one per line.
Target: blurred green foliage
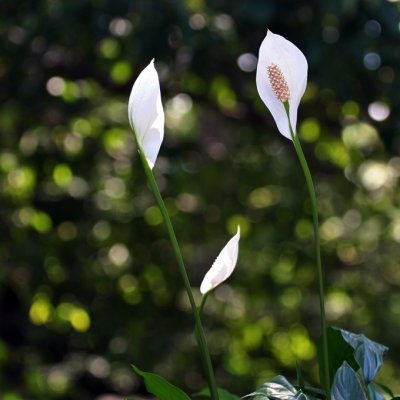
88	282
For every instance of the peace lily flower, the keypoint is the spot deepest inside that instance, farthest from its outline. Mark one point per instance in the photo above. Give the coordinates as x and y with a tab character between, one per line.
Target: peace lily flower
281	78
146	113
223	266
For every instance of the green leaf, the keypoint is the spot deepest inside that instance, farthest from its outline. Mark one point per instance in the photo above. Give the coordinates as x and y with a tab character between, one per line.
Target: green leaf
346	385
368	354
222	394
278	389
373	393
384	388
339	351
313	391
160	387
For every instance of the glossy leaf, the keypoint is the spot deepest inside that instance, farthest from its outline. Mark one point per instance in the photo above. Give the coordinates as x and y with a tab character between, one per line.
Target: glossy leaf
279	388
373	393
339	351
160	387
346	385
368	354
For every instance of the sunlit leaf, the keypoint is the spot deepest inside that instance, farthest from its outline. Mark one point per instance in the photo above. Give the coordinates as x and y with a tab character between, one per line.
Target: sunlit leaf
279	388
160	387
339	351
374	394
368	354
346	385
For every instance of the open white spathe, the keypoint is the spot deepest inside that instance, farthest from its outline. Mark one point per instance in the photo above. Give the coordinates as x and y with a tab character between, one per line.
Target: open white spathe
278	51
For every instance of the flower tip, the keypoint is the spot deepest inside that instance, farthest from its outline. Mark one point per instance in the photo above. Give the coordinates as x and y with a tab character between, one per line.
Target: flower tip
270	33
223	265
146	114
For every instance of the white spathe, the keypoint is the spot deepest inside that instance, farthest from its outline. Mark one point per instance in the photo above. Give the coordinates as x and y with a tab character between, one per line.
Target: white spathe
275	49
146	113
223	266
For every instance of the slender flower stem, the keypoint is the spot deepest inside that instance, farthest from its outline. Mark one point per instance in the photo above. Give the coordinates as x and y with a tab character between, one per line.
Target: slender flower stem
203	302
314	207
201	340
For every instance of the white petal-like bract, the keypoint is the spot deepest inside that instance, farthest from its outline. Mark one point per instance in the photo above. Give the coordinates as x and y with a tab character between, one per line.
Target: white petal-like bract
223	266
146	113
276	51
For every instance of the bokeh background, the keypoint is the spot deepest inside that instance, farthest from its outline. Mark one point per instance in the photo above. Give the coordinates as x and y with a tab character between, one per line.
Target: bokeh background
88	281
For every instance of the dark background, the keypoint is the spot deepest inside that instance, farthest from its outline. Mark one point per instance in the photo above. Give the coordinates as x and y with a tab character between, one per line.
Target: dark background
88	281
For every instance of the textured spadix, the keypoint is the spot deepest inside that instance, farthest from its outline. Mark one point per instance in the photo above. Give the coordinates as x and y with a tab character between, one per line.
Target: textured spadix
281	76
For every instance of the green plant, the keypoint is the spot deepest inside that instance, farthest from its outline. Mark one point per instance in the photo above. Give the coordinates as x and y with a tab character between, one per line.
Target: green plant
348	362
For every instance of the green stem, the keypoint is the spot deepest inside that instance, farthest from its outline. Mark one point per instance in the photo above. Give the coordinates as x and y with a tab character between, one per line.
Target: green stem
198	325
203	302
314	207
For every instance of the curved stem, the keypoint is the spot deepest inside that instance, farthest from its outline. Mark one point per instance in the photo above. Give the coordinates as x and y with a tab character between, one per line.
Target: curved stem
203	302
314	207
201	340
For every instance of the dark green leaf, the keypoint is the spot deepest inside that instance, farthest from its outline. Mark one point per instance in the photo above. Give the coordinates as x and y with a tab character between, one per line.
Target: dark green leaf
369	354
300	379
346	385
300	396
313	391
133	398
384	388
339	351
160	387
222	394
